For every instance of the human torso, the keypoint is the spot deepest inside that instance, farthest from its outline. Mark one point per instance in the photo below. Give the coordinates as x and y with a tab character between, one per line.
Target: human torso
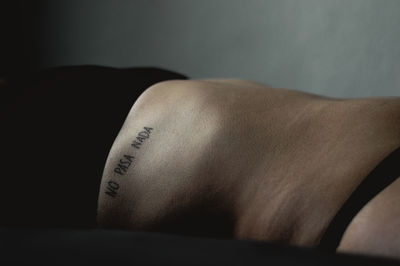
279	162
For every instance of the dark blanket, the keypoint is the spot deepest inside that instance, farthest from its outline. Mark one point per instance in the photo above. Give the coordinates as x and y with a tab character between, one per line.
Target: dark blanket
109	247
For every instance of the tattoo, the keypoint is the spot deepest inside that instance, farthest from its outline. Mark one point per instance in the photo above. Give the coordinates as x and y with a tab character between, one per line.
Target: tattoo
142	136
127	160
112	188
124	164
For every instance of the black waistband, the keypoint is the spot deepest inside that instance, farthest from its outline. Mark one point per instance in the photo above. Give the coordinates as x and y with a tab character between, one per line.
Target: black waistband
387	171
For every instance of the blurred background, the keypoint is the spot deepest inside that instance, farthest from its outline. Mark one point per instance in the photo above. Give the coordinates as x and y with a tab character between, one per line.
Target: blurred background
343	48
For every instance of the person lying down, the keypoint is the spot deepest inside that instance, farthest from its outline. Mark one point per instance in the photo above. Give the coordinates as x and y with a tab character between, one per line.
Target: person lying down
216	158
236	158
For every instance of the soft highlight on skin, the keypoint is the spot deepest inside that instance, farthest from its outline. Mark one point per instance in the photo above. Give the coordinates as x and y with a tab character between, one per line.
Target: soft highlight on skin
248	160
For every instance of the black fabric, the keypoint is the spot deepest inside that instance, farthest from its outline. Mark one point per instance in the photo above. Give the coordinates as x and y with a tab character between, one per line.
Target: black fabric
23	246
57	127
387	171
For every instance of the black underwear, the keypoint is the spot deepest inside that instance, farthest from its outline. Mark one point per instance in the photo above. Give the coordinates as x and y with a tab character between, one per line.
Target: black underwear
387	171
57	127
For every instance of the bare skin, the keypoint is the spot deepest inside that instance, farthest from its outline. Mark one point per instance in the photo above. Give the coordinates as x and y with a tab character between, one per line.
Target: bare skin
276	163
375	230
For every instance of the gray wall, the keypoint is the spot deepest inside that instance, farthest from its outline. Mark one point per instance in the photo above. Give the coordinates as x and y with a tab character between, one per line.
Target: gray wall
344	48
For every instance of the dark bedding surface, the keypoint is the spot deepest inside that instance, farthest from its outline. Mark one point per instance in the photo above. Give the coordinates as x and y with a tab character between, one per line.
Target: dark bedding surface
114	247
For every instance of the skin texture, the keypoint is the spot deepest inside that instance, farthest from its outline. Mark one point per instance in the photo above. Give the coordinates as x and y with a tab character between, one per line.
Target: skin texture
235	158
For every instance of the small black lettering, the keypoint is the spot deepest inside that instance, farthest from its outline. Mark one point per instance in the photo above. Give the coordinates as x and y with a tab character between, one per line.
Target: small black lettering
112	188
125	162
144	134
148	129
129	158
136	144
140	139
122	167
118	171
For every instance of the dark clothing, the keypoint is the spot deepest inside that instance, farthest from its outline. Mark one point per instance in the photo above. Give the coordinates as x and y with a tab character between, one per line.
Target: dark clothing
387	171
